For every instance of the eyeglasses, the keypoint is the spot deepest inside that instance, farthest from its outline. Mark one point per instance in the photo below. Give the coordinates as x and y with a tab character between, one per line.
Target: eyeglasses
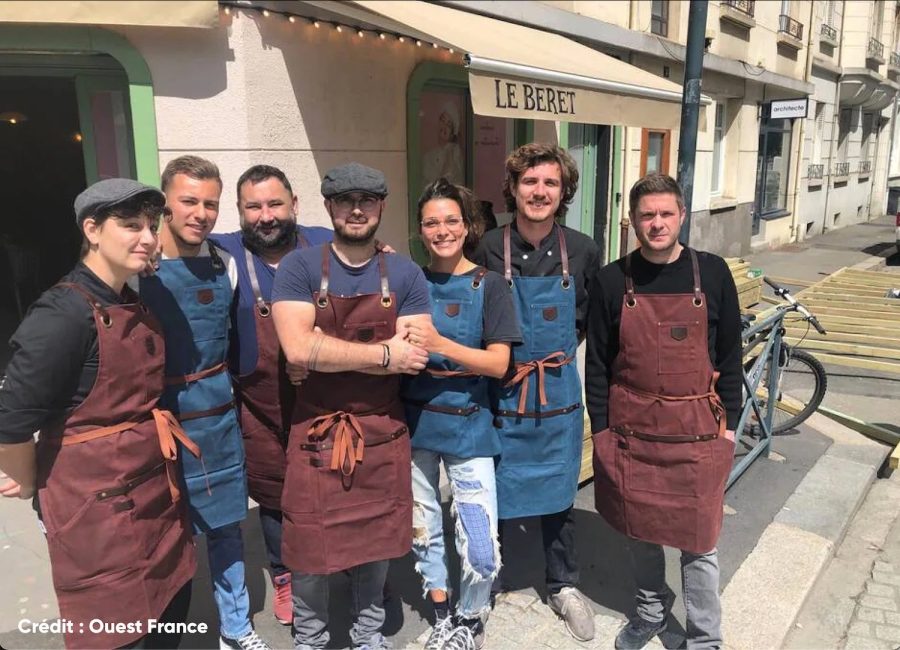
452	223
346	203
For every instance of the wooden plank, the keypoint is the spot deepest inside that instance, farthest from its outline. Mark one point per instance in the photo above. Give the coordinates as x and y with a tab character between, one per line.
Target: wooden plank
794	282
855	362
846	337
855	349
827	288
865	428
820	309
895	457
839	299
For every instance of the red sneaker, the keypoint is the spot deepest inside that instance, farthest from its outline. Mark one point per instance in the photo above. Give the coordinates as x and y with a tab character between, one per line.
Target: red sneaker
283	605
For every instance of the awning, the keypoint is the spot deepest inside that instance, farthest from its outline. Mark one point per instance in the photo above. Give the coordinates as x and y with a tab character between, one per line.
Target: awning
149	13
520	72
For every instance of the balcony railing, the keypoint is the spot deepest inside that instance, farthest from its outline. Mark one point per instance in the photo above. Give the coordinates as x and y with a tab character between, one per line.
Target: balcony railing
790	27
895	59
815	171
875	49
829	32
744	6
865	166
842	169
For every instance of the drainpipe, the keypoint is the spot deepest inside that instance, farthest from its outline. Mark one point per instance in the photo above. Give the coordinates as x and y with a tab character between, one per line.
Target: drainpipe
795	209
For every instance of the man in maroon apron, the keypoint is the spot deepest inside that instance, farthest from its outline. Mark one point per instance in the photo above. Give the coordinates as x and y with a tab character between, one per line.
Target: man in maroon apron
663	383
268	215
341	313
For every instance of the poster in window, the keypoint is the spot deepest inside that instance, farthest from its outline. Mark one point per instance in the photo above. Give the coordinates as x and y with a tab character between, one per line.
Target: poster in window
442	135
491	146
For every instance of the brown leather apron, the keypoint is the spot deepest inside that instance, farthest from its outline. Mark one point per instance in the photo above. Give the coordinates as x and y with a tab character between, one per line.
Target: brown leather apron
117	531
660	468
267	403
347	496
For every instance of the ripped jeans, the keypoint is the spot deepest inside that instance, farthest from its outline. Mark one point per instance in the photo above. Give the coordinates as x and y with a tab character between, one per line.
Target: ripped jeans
474	509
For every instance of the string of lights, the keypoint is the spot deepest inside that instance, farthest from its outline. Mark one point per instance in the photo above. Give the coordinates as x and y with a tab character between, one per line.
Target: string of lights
231	8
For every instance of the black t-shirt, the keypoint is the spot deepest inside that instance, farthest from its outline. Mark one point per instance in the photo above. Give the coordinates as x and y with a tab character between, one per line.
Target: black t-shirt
584	257
605	311
55	357
499	323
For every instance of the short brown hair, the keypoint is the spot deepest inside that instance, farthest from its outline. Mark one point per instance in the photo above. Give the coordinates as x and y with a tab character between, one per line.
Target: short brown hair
136	206
654	183
196	167
533	154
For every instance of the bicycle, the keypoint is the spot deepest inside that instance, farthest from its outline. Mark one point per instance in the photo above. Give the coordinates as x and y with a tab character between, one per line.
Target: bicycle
798	378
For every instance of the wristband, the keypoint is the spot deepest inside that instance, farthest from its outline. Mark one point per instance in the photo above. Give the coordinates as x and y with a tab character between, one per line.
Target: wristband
386	361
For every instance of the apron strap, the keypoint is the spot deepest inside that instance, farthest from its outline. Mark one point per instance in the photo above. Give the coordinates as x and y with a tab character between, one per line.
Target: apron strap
345	425
695	264
176	380
523	371
302	242
564	256
217	410
507	255
322	300
92	300
479	277
386	300
261	305
629	282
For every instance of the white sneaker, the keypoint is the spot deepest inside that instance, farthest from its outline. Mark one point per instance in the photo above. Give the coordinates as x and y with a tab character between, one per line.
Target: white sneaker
249	641
441	631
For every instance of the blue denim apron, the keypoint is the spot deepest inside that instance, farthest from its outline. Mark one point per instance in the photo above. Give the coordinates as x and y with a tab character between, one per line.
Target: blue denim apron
447	407
538	410
191	297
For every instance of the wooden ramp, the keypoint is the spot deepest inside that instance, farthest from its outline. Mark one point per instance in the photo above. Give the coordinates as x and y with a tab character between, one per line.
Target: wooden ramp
863	324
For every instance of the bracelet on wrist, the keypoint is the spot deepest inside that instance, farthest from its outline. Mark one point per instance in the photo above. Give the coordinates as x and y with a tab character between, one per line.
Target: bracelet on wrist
386	359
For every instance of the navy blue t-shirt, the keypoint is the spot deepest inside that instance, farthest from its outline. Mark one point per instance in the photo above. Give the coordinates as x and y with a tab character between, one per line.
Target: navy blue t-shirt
244	351
300	274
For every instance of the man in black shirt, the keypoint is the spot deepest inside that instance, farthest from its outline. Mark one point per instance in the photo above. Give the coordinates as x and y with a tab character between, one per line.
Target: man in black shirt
538	411
663	385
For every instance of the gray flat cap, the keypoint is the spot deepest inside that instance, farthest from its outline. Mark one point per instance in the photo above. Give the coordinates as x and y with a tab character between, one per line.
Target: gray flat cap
353	177
110	192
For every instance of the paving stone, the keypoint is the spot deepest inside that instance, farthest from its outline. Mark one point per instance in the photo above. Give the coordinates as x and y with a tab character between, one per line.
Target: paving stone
891	618
515	599
864	643
888	633
860	628
886	578
876	589
874	615
878	602
884	567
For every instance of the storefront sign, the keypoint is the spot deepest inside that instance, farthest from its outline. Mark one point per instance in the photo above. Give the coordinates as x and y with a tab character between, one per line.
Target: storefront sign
789	108
534	97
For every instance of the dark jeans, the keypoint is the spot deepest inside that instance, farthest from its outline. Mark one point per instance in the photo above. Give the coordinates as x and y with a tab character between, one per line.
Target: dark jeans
560	558
175	612
270	522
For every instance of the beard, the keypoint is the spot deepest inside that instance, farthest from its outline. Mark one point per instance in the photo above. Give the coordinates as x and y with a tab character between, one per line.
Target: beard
282	235
356	238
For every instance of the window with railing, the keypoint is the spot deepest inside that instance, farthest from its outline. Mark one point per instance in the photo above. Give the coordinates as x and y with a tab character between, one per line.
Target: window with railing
659	17
842	169
875	48
744	6
895	59
829	32
865	166
791	27
815	171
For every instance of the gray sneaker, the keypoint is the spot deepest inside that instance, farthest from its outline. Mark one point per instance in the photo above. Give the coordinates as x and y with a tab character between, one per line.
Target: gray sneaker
573	607
441	631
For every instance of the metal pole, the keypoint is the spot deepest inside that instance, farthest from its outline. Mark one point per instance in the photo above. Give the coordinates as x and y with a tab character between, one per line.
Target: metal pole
690	108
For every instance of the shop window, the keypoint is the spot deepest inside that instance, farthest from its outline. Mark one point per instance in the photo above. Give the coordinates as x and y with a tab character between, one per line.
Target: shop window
659	17
655	151
718	152
775	158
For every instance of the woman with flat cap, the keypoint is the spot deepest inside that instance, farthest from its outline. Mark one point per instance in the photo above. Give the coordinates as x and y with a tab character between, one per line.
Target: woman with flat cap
86	372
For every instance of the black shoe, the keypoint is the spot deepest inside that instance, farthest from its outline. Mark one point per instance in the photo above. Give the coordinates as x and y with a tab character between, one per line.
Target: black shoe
638	633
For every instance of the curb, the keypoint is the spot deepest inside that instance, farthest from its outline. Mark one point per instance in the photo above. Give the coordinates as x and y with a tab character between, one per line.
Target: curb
765	595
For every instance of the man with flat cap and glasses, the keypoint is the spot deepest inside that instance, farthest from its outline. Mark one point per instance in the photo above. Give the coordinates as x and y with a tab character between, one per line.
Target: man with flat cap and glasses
87	372
341	312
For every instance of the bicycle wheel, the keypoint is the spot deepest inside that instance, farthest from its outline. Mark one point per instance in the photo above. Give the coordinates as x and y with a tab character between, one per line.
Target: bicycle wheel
802	388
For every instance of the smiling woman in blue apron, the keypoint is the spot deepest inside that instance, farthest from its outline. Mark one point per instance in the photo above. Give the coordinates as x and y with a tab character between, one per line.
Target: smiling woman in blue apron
447	408
539	411
87	371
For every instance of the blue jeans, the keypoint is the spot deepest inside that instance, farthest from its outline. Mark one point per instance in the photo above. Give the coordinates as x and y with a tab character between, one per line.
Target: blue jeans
225	549
270	522
475	511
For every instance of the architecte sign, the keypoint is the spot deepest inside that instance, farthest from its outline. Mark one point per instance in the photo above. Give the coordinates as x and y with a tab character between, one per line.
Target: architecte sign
789	108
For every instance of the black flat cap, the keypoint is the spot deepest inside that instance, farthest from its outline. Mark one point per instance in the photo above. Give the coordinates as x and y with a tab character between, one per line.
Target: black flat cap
353	177
110	192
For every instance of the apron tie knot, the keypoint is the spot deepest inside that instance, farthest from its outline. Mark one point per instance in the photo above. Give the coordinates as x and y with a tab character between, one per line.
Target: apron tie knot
523	371
345	455
169	430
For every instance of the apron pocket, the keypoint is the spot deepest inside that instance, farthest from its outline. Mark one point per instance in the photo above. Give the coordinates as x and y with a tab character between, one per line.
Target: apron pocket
668	468
300	493
548	322
679	347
